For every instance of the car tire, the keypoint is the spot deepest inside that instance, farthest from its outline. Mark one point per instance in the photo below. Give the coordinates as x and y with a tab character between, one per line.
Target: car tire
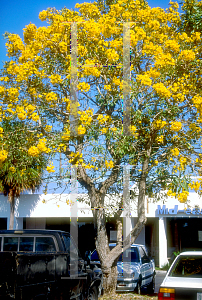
138	288
151	286
93	294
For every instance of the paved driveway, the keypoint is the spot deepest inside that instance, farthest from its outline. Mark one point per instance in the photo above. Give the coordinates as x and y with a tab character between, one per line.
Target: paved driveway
159	278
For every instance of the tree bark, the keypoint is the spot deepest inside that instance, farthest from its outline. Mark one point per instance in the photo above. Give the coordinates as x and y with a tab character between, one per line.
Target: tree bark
11	199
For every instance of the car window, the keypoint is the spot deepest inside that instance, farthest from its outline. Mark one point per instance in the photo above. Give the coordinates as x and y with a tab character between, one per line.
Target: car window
187	266
70	245
94	256
130	254
45	244
142	252
26	244
10	244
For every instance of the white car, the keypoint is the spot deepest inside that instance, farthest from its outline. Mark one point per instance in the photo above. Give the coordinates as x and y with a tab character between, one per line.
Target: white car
183	280
135	269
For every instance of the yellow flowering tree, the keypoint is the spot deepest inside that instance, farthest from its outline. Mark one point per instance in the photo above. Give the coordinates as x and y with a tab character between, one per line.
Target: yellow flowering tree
18	170
162	146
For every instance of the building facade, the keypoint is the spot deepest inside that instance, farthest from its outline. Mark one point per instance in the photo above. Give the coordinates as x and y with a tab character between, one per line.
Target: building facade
171	226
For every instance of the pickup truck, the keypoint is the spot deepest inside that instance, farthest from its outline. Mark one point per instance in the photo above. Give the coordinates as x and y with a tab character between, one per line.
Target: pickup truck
136	270
45	265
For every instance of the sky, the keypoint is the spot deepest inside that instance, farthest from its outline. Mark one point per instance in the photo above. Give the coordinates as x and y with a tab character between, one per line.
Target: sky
15	14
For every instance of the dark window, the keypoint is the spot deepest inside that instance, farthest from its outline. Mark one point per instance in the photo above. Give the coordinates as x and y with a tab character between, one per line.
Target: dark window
66	240
26	244
45	244
94	256
130	254
70	245
0	242
187	266
10	244
142	252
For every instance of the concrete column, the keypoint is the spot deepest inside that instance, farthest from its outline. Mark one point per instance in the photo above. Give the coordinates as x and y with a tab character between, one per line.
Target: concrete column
141	237
18	223
128	225
163	257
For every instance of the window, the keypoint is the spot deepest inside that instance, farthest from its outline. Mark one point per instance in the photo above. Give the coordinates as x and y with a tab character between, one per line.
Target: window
45	244
130	254
70	245
10	244
187	266
26	244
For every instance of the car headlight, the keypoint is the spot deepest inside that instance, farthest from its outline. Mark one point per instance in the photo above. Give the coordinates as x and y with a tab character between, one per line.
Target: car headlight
126	275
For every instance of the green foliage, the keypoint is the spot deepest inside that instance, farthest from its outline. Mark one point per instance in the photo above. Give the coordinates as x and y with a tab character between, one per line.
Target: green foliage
191	17
20	171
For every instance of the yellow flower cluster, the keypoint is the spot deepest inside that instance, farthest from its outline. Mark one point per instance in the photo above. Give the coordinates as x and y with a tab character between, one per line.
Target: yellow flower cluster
1	132
175	152
172	45
187	55
176	126
171	193
197	100
102	119
159	139
182	197
81	129
86	116
21	113
195	185
76	158
48	128
83	87
112	55
144	79
133	130
51	97
182	161
109	164
43	15
3	155
41	147
29	33
14	44
161	90
50	168
55	78
66	135
164	60
2	89
13	93
12	169
30	108
35	117
33	151
159	124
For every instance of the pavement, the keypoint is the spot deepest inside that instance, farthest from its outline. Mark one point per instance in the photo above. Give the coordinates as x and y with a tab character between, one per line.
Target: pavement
160	275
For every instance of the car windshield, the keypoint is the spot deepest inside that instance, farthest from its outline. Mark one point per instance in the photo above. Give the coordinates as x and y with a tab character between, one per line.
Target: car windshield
187	266
128	255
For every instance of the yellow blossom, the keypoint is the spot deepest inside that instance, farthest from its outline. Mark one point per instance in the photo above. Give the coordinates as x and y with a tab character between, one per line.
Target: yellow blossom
175	152
33	151
176	126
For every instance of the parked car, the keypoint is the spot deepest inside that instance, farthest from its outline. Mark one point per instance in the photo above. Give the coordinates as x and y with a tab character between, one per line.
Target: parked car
183	280
136	269
45	264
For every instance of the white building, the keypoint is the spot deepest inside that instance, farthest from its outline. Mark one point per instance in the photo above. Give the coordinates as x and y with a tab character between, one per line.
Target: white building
171	226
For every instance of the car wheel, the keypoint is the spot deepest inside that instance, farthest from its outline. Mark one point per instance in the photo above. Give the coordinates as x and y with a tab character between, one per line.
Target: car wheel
138	288
151	286
93	294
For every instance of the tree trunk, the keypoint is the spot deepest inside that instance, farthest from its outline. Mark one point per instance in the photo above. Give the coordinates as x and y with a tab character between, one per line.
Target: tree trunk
11	199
